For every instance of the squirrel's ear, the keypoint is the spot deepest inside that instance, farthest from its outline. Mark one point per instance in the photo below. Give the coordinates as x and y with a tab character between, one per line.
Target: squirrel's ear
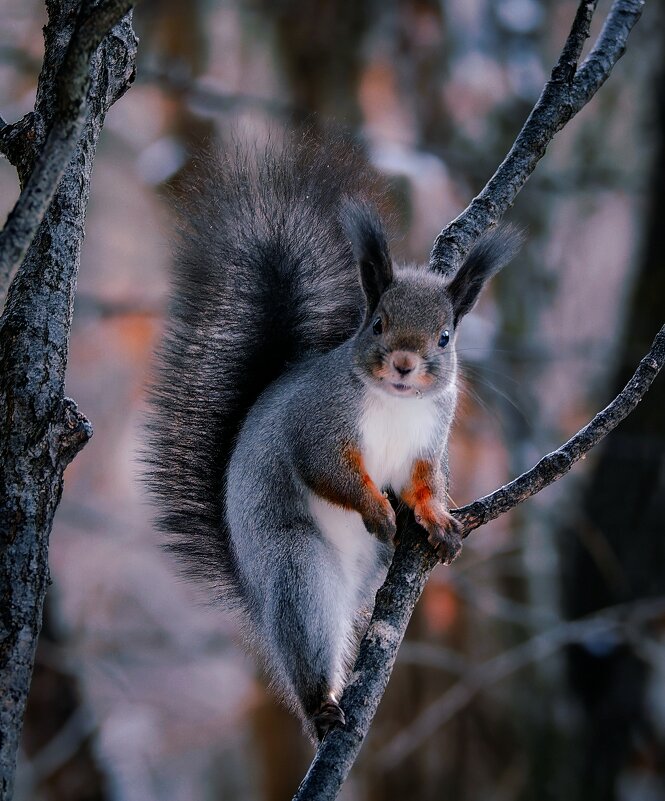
489	255
368	240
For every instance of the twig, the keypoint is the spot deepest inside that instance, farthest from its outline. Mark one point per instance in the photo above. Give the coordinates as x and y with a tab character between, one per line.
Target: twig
410	569
427	654
73	84
564	95
63	745
611	621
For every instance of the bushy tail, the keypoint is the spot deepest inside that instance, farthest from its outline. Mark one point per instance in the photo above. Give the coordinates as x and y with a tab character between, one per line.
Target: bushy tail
263	275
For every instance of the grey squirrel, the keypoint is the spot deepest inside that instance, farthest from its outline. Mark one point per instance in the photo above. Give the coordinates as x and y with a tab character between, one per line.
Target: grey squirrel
303	375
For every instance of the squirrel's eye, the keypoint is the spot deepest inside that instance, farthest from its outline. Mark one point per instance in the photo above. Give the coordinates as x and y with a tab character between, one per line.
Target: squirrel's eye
377	326
444	339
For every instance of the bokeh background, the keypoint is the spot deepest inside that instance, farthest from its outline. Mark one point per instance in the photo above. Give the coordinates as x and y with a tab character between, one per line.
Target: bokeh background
141	691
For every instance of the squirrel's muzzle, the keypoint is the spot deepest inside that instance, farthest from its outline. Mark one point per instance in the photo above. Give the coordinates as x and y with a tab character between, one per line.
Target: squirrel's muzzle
404	362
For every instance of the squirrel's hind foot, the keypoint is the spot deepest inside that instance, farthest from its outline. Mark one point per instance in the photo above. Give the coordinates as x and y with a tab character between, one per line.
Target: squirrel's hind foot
329	715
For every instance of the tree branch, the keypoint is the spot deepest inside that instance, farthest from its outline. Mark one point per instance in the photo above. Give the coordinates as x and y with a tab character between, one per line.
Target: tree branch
557	463
412	564
564	95
74	82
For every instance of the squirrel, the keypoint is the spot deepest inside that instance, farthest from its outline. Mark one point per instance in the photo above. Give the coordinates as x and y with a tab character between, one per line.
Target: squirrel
301	377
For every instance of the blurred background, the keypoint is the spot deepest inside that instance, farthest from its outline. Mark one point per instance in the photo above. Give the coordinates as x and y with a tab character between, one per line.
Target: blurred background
141	691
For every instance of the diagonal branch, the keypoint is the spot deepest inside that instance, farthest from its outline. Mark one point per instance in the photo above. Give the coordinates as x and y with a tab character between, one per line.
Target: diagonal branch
410	570
568	90
74	82
557	463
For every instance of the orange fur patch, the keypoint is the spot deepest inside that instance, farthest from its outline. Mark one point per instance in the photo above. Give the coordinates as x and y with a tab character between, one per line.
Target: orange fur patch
419	495
359	502
355	459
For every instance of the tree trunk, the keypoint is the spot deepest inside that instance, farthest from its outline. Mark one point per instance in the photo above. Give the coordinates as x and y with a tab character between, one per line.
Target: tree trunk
41	430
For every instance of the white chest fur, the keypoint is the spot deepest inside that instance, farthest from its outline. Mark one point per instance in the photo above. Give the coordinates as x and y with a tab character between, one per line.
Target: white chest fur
394	432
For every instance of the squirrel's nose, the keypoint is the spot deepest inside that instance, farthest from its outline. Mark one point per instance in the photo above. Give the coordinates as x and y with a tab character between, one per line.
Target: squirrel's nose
404	362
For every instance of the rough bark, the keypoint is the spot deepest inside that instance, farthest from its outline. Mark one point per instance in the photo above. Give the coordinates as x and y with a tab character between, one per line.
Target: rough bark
40	429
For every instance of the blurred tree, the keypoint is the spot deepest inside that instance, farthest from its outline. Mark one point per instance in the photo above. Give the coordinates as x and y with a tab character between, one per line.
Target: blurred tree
175	52
321	54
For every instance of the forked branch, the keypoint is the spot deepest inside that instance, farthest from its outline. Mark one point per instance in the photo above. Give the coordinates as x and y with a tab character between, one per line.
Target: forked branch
569	89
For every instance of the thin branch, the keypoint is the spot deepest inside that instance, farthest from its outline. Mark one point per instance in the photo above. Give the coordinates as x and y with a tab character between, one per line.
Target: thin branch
411	567
73	84
395	601
566	66
557	463
426	654
608	49
63	745
564	95
615	621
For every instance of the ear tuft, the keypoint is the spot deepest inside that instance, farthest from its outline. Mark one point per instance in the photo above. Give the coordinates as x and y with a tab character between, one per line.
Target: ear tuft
363	226
489	255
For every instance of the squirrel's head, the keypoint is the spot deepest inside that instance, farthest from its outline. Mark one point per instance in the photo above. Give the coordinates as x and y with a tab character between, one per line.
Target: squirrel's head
406	343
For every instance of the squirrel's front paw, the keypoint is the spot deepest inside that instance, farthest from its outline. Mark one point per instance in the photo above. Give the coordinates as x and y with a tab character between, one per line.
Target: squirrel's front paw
444	534
381	522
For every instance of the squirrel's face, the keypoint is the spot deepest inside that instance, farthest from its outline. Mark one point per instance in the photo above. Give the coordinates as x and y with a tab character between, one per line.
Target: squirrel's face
405	347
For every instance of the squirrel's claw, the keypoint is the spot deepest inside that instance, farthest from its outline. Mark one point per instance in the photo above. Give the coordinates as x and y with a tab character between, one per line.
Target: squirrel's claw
383	524
446	539
330	714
